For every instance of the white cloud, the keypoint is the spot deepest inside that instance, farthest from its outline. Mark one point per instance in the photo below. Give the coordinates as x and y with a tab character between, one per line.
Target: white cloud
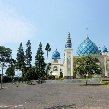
13	27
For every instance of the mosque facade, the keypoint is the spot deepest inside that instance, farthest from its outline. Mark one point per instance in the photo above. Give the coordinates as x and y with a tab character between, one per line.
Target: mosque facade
87	47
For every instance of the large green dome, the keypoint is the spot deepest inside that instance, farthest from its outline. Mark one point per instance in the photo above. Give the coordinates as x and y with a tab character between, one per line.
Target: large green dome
87	47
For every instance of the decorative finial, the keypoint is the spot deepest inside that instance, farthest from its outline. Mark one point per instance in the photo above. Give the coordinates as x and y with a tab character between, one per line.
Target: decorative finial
87	32
87	28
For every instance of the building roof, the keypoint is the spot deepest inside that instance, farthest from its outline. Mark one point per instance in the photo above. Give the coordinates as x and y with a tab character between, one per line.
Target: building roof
105	49
56	55
87	47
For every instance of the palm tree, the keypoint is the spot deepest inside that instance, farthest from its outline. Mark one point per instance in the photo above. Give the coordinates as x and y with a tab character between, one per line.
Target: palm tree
48	49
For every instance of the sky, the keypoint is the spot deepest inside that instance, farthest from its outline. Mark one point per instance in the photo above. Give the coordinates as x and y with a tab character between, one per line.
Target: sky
49	21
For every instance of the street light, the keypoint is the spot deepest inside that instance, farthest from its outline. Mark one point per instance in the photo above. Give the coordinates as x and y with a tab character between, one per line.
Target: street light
86	78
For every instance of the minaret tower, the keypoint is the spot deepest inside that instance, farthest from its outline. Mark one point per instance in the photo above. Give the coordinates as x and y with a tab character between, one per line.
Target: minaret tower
68	59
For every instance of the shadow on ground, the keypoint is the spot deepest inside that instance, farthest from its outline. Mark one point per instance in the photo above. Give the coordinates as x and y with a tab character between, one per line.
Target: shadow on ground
72	106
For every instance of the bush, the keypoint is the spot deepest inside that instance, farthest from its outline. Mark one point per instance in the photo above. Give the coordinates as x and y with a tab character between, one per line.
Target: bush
51	77
105	82
59	78
6	79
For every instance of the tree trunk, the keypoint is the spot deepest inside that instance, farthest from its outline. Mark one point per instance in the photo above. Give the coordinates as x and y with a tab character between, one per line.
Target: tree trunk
86	81
2	77
47	54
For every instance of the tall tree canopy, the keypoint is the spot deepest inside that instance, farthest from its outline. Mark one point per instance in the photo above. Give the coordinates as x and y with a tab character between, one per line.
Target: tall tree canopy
39	63
10	72
20	60
48	67
87	65
5	54
5	57
47	48
28	56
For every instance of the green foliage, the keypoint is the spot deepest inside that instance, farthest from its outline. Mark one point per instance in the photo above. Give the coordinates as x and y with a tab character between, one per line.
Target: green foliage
6	79
5	57
48	49
61	74
28	69
51	77
10	72
105	82
48	67
20	64
39	63
30	74
5	54
28	56
87	65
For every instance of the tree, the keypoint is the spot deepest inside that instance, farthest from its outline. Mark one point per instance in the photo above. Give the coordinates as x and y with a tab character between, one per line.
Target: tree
48	67
86	66
5	57
20	60
28	56
28	59
48	49
30	74
10	72
39	63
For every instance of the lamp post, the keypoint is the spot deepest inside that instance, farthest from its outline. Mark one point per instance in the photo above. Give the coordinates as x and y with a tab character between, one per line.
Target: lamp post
86	78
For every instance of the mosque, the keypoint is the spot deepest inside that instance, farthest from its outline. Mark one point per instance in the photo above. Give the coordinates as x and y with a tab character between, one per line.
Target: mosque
85	48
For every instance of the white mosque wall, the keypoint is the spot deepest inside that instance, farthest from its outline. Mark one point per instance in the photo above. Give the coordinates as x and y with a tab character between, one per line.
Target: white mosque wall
56	68
68	63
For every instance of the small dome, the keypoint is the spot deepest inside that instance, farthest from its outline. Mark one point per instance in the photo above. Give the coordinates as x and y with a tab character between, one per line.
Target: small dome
56	55
87	47
99	49
105	49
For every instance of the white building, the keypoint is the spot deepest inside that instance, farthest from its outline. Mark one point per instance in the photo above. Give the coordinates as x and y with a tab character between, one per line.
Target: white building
67	66
87	47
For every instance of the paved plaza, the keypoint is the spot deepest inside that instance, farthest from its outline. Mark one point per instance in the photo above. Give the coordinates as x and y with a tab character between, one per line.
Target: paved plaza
54	96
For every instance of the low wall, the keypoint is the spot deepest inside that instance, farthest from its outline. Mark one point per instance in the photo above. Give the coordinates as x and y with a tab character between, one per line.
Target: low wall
74	81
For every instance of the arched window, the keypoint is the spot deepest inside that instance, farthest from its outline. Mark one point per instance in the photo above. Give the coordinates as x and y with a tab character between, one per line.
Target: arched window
55	68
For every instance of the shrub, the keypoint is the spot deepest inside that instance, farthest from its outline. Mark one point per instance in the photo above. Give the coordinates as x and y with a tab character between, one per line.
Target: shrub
105	82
